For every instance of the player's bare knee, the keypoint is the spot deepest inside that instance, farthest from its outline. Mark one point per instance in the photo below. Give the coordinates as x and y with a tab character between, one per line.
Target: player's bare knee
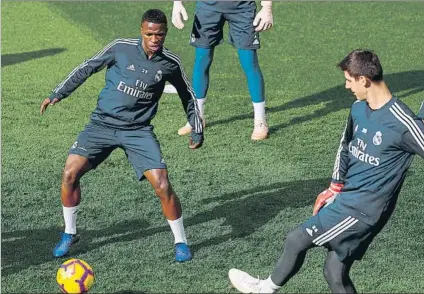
70	175
162	187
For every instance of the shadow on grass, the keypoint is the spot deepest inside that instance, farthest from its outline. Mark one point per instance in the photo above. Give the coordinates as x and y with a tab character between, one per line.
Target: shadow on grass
245	212
335	99
10	59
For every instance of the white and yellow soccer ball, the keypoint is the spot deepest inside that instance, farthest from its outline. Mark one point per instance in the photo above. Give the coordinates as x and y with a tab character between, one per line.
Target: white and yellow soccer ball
75	276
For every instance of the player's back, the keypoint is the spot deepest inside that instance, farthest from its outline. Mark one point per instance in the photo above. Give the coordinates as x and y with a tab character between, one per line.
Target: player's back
379	153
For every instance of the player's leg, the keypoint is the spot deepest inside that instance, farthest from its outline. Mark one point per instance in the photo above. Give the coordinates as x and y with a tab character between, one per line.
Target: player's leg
337	274
207	32
75	167
243	36
90	149
171	208
202	63
296	245
255	82
172	211
143	151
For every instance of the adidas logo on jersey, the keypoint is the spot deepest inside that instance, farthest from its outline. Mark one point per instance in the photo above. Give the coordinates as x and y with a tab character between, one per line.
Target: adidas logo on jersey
131	67
311	231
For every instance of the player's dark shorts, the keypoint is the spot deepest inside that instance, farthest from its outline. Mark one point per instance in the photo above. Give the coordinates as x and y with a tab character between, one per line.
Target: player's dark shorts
141	146
208	27
348	236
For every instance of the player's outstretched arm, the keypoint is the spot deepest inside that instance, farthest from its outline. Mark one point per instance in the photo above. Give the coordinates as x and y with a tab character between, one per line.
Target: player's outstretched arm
264	19
179	14
81	73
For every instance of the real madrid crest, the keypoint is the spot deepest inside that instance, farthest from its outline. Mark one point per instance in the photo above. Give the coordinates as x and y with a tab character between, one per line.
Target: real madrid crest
378	138
158	76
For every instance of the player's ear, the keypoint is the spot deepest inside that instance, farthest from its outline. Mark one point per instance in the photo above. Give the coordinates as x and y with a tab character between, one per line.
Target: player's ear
364	81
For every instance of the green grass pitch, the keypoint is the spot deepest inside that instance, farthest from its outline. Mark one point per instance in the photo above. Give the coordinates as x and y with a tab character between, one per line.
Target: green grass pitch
239	197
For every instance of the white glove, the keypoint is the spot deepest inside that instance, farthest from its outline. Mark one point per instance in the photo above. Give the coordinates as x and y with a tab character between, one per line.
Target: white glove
263	20
178	14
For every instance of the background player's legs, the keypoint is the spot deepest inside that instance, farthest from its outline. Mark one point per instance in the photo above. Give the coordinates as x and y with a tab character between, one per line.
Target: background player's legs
255	82
337	274
206	34
202	63
171	208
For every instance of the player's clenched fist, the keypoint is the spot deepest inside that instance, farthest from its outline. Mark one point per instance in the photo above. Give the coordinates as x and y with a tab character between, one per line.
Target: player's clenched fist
327	196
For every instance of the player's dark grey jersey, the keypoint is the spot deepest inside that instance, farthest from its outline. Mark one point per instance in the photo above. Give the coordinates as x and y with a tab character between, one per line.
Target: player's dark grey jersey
376	150
227	6
134	85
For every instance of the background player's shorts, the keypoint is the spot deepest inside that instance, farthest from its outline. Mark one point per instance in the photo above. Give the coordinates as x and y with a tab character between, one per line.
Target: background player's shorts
342	233
141	146
208	26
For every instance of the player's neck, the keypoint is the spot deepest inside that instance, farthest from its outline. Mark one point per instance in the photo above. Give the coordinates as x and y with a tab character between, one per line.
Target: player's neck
378	95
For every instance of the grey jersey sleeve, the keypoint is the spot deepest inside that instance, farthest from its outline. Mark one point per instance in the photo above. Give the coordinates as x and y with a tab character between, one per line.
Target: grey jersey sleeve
81	73
342	157
188	99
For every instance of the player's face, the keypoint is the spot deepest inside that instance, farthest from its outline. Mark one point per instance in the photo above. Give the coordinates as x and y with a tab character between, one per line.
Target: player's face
358	86
153	35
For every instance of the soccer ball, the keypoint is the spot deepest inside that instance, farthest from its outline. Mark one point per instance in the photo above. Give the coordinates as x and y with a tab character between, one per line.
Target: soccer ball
75	276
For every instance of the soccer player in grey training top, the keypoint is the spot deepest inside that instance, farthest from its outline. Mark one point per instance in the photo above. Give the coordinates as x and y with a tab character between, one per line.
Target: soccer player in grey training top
137	70
377	147
207	33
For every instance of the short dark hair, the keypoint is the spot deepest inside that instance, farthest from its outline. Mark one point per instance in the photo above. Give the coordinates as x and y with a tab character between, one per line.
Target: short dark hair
362	62
155	16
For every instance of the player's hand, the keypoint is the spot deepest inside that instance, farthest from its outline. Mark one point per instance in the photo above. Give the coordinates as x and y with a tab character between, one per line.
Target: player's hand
179	14
46	103
327	196
264	19
196	140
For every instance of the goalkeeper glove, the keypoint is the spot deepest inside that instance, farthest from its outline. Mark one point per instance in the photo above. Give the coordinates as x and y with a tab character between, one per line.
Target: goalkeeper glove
264	19
327	196
179	14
